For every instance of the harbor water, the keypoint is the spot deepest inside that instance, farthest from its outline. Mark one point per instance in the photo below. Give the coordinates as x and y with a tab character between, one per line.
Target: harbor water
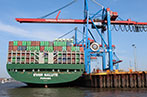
17	89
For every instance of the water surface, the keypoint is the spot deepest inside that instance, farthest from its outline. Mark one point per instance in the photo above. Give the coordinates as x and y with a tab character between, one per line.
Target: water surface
17	89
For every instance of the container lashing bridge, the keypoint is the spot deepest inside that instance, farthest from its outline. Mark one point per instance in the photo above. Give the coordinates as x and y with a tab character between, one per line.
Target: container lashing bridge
108	22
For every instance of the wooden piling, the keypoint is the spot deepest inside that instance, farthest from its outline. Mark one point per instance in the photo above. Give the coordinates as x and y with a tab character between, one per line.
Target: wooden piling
122	81
96	82
108	81
145	79
119	80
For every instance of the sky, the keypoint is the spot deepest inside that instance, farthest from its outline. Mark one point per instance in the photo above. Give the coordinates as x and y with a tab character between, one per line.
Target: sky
11	30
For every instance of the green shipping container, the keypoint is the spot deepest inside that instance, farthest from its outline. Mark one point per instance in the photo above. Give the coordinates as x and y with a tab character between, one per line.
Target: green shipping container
32	54
22	60
14	57
64	43
42	43
55	43
24	43
58	43
46	60
73	49
33	48
77	60
22	57
37	48
28	43
78	49
51	49
46	43
46	48
28	48
77	56
15	43
64	48
32	62
13	60
59	54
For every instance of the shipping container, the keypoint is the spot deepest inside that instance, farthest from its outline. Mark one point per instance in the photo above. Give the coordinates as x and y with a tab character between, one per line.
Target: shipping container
15	48
19	43
28	43
44	52
42	48
10	48
33	43
42	43
10	43
24	43
15	43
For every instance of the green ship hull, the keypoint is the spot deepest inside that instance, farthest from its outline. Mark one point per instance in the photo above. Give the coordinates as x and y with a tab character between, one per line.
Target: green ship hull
45	73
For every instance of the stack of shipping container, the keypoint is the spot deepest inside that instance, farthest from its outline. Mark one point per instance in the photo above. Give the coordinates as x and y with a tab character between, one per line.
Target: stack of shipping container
60	51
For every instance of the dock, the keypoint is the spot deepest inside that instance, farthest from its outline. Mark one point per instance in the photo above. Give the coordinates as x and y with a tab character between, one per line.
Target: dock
115	80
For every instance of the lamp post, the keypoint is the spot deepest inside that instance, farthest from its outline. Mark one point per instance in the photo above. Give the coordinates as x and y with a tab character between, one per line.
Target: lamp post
133	45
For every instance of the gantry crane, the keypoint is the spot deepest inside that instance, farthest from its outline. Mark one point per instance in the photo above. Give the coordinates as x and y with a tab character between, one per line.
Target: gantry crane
101	25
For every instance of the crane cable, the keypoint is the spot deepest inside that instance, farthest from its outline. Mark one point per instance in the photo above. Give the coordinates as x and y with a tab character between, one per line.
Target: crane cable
97	3
59	9
66	34
129	28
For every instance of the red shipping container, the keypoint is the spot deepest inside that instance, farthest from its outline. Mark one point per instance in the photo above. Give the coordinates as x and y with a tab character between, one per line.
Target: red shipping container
55	62
73	56
9	55
68	48
82	61
10	43
33	43
22	62
15	48
73	61
55	48
37	43
19	43
69	61
10	48
82	55
81	49
9	60
32	60
28	55
18	51
18	54
14	54
23	54
59	48
41	48
27	60
68	55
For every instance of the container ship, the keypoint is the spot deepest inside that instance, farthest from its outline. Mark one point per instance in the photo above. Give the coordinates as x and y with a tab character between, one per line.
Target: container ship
61	62
45	62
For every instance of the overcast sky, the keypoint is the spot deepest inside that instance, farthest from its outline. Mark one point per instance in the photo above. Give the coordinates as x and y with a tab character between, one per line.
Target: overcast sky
12	30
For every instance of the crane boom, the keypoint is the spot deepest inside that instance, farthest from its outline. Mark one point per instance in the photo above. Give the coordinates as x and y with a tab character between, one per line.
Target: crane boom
76	21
